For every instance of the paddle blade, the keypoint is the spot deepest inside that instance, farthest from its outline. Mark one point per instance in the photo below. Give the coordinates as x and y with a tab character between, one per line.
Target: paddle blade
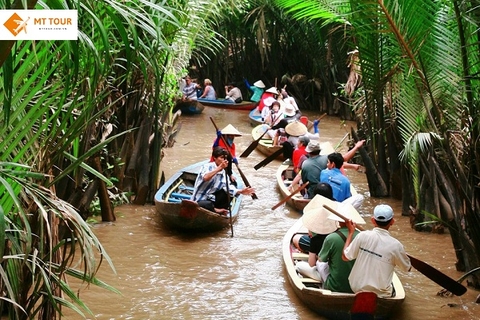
268	159
438	277
249	150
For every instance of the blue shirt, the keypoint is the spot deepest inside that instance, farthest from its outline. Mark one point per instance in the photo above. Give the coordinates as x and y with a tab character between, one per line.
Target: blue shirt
204	190
339	183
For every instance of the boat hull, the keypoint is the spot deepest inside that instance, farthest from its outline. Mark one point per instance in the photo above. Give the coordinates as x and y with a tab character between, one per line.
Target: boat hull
189	107
332	305
285	176
176	210
227	104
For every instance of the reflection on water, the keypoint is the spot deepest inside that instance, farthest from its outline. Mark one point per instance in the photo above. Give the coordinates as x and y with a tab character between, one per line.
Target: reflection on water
168	275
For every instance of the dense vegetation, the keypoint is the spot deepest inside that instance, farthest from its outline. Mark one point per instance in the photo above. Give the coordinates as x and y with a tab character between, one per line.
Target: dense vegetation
84	121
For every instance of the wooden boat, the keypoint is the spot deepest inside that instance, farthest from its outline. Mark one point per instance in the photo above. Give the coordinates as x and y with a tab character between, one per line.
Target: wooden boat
228	104
173	204
189	107
285	177
255	117
265	145
332	305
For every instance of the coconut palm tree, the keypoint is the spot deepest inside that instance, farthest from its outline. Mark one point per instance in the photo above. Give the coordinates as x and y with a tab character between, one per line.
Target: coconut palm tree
75	115
419	105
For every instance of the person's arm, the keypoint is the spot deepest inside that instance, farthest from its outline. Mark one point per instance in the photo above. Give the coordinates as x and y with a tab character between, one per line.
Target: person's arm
295	181
349	155
207	88
351	229
312	259
209	175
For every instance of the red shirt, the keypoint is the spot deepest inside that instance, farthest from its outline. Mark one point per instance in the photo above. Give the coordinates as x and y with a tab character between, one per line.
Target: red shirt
297	155
264	96
222	144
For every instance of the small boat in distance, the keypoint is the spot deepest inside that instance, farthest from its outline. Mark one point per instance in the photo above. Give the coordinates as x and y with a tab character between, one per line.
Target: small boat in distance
228	104
176	210
188	107
329	304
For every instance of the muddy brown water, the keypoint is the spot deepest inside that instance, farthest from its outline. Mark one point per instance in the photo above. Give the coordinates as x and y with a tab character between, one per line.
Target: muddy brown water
163	274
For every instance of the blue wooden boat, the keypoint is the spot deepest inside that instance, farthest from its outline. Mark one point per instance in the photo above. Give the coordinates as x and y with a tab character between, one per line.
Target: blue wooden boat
176	210
189	107
228	104
255	117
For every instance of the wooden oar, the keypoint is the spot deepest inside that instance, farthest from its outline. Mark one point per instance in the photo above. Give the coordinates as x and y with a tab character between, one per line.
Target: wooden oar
268	159
427	270
229	204
244	178
303	186
254	144
274	155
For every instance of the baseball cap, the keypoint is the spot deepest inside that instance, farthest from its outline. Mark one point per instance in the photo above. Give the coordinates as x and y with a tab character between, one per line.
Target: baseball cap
383	213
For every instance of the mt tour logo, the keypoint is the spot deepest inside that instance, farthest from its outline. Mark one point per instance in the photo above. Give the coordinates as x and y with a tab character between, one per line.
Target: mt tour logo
16	24
39	24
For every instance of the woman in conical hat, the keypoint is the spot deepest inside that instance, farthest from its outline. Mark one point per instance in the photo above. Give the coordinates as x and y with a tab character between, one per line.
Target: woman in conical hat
257	89
228	133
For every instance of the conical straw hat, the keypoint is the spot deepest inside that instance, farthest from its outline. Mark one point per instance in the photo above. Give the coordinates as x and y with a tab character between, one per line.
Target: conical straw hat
230	130
348	211
259	84
315	216
296	129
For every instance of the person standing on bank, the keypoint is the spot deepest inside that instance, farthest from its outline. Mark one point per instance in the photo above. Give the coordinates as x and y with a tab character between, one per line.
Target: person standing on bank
211	185
229	133
376	253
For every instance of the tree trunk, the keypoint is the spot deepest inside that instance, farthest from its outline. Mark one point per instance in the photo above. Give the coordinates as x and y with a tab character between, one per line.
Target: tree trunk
105	204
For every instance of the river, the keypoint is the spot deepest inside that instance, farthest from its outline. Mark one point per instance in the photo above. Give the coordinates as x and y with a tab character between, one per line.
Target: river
164	274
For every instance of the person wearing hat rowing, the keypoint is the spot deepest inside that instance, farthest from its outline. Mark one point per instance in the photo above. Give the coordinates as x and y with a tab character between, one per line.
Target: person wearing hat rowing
329	268
287	99
376	253
210	189
229	133
257	89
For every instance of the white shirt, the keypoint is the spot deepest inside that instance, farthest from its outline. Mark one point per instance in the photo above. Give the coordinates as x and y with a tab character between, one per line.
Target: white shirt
377	254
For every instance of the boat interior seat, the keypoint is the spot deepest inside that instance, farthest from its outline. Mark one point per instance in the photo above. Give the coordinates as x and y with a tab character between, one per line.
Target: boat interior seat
299	256
187	188
180	195
174	200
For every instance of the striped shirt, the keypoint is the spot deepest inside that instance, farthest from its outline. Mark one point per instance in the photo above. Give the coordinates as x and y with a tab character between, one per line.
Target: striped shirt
204	190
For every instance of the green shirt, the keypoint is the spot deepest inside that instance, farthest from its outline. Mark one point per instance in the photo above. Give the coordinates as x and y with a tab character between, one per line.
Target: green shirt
339	270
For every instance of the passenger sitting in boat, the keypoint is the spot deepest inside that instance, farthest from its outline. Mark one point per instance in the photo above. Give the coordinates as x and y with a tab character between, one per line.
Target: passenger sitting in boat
376	253
189	90
257	89
210	189
286	99
292	132
208	91
268	102
275	115
265	101
330	268
338	181
229	133
300	154
233	93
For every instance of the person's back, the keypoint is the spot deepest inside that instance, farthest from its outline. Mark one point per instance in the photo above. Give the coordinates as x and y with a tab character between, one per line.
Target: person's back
376	253
333	176
331	252
312	166
257	89
233	93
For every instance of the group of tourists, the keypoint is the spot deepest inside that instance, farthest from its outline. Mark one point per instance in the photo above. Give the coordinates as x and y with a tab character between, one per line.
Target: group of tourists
339	256
193	91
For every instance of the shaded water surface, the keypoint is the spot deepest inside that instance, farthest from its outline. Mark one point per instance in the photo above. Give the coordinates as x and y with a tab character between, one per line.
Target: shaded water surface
164	274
